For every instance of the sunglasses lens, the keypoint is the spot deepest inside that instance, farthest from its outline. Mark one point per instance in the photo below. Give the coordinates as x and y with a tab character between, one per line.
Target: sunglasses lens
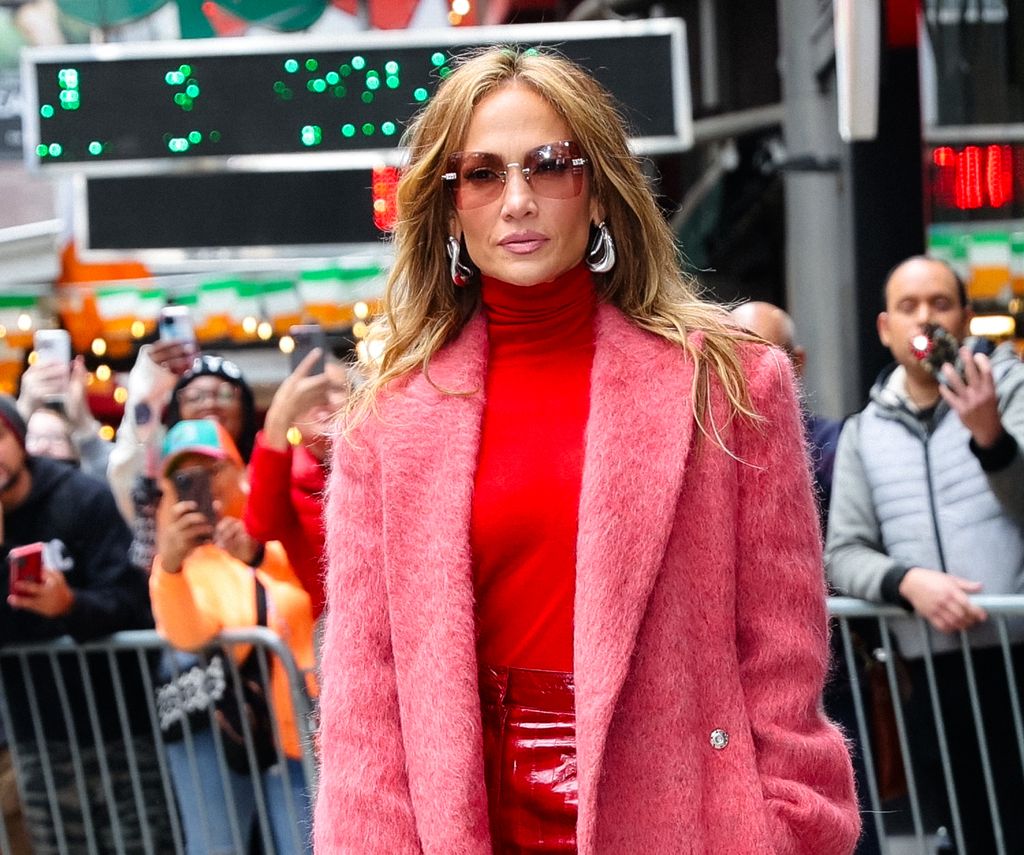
555	170
478	178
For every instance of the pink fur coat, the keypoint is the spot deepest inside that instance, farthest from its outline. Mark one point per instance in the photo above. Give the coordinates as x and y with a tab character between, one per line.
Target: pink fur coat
700	629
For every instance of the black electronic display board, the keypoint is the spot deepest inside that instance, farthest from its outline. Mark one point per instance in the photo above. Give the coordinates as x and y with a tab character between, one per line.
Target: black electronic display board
176	217
348	101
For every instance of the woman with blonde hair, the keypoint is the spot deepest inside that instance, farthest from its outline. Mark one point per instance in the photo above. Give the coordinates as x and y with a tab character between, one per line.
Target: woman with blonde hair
575	594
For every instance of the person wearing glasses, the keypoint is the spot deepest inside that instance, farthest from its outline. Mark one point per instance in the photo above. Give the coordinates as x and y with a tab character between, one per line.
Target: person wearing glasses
575	599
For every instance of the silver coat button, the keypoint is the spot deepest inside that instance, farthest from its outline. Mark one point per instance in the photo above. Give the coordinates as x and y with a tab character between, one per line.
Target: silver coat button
719	739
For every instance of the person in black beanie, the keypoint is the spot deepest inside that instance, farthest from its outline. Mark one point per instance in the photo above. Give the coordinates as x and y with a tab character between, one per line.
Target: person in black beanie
170	383
87	590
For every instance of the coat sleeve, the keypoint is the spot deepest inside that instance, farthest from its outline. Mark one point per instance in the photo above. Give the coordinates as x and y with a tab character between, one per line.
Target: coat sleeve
269	513
363	804
782	630
854	553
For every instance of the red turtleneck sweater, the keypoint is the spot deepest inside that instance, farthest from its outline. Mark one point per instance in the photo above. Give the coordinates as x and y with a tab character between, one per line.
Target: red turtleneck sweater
527	491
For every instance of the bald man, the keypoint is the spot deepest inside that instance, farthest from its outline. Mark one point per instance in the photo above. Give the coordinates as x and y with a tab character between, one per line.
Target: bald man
776	327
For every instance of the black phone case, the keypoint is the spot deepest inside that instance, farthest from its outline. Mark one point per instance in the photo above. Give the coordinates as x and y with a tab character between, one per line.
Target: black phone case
194	486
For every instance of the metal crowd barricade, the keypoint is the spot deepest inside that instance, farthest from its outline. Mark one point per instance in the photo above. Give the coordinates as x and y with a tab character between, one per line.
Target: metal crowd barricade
112	754
903	827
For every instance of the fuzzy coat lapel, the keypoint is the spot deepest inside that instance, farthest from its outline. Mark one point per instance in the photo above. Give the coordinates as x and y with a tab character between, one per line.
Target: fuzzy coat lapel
634	450
429	462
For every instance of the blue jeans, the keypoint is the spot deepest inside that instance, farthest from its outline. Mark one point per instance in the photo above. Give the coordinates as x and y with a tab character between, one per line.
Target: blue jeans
218	807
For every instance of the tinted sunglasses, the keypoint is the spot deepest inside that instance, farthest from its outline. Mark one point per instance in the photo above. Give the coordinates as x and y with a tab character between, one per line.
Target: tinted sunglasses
553	170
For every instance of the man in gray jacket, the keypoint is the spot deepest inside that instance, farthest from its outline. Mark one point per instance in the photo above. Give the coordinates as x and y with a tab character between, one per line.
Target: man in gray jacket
927	509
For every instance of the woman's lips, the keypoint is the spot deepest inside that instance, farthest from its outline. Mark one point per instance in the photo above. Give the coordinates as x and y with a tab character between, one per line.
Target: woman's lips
523	244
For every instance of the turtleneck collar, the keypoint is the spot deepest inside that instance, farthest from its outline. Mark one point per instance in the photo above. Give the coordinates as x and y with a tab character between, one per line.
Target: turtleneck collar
557	312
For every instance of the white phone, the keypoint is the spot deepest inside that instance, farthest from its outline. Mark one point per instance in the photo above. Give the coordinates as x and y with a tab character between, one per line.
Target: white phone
52	347
176	324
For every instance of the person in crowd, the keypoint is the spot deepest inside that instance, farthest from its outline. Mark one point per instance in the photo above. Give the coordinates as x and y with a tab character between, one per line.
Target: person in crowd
310	403
68	726
775	326
65	427
204	580
565	502
927	509
169	382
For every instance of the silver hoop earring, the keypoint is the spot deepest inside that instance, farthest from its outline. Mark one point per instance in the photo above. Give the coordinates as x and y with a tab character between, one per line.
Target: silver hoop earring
600	257
461	272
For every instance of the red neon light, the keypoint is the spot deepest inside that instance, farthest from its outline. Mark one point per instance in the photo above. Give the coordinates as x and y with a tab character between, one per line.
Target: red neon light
975	177
969	179
999	175
385	186
944	177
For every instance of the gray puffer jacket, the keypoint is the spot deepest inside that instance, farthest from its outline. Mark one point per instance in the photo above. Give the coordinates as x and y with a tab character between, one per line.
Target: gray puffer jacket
910	492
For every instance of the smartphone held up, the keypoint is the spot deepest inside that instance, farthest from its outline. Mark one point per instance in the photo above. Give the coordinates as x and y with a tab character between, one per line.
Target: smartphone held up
25	564
53	347
307	337
193	484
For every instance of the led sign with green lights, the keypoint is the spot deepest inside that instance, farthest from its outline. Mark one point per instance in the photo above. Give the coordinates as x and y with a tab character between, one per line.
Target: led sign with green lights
93	105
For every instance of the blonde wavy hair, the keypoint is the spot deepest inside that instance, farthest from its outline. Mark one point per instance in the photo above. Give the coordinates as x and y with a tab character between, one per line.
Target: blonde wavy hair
424	310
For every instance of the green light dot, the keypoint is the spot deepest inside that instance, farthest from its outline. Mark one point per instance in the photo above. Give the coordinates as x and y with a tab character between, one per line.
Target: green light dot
312	65
388	129
46	111
192	91
195	137
368	129
180	98
95	147
279	87
531	52
367	97
445	71
56	149
437	59
358	63
348	130
373	73
391	67
332	77
68	78
311	135
339	91
170	77
214	136
345	70
319	85
420	94
393	82
291	65
177	145
42	150
287	95
187	106
185	70
373	83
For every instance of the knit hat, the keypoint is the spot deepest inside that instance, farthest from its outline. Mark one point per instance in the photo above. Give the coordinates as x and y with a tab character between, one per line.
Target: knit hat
199	436
12	419
207	364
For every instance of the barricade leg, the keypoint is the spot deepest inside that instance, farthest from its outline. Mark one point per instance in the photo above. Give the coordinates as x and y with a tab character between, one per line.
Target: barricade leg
965	744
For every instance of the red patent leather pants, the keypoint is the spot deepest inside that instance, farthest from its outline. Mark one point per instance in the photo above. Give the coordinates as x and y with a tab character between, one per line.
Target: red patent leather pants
529	723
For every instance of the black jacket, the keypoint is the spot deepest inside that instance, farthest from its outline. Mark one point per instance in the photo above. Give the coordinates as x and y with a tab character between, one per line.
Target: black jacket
110	595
